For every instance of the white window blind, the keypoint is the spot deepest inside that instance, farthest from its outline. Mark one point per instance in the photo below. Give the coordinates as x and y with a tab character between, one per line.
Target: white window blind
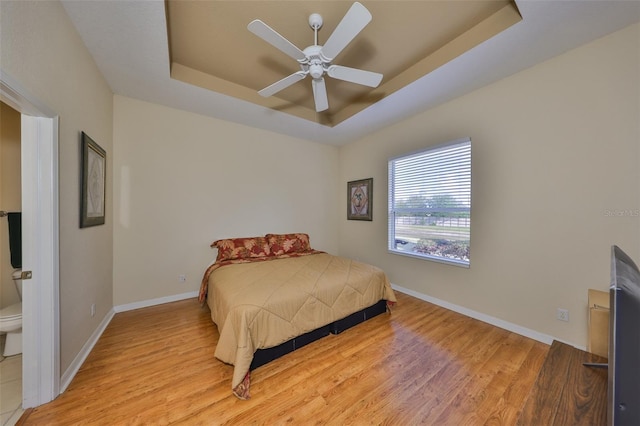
430	203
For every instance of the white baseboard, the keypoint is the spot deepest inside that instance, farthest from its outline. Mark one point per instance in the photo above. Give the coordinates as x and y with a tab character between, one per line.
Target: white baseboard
154	302
523	331
70	373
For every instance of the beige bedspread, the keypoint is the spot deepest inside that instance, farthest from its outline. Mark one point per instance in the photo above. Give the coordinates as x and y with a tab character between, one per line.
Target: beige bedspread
263	304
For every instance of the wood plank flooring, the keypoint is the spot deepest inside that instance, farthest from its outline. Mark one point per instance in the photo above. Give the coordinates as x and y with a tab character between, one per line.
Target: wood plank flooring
422	364
566	392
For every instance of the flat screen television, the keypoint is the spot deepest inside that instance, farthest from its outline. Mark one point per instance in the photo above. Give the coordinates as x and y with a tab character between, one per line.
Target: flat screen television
624	341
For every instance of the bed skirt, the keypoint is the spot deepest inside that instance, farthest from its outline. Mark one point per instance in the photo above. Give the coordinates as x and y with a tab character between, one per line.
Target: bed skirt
264	356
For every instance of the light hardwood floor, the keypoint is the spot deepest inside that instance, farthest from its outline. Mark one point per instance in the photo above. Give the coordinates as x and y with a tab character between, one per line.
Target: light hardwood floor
420	365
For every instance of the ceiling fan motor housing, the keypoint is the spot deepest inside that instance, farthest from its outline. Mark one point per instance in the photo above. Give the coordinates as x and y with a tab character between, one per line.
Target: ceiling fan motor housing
314	61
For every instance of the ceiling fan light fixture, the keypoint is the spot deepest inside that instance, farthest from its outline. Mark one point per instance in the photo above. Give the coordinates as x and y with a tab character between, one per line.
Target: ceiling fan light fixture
316	70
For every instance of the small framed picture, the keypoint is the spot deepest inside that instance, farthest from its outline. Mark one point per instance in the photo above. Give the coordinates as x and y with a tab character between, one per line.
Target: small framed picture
94	176
359	199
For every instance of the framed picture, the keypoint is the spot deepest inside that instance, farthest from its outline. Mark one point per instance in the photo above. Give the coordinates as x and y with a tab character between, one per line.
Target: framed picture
359	199
94	176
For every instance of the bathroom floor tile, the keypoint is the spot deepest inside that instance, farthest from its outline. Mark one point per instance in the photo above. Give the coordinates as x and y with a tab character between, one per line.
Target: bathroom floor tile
11	368
11	418
11	396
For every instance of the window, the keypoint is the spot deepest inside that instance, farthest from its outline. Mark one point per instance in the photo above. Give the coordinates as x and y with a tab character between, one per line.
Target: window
430	203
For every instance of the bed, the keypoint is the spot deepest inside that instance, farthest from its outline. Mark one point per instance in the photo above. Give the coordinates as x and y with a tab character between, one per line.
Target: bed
273	294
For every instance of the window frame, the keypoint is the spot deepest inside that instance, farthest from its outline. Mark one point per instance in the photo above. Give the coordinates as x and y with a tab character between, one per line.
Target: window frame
391	212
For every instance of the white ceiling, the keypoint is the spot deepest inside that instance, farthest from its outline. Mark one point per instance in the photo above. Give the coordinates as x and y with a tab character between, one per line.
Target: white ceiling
129	42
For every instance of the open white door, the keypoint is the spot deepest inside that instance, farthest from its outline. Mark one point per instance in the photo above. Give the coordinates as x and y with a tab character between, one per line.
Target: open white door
40	248
40	320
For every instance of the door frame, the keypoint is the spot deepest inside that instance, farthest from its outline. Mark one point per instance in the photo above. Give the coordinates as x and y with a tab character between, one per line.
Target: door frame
40	244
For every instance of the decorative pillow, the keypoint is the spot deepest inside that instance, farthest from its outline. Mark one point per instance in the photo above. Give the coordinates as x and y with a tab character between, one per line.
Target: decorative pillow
241	248
288	243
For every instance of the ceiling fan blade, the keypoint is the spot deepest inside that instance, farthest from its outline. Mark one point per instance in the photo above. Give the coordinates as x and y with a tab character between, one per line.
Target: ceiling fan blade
354	21
282	84
353	75
272	37
320	94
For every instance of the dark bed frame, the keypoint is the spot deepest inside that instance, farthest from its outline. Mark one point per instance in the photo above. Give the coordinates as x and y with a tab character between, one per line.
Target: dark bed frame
263	356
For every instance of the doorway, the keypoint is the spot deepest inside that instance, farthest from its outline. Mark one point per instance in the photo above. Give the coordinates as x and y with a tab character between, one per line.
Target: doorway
40	248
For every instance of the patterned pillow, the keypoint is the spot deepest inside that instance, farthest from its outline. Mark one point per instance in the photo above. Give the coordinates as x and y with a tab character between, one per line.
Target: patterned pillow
241	248
288	243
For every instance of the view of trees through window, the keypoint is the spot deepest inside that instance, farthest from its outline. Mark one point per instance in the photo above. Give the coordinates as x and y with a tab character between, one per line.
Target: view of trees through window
437	231
436	225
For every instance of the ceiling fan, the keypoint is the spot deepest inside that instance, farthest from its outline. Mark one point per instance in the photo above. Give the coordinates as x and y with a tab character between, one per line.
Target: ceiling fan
316	60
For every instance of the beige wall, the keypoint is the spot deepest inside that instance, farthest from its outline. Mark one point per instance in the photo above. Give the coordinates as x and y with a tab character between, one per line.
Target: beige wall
41	50
10	195
555	158
184	180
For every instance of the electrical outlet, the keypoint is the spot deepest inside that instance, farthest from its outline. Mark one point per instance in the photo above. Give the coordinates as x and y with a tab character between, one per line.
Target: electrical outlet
93	309
562	314
182	278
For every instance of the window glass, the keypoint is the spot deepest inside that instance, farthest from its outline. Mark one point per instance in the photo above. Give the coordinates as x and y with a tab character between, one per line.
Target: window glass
430	203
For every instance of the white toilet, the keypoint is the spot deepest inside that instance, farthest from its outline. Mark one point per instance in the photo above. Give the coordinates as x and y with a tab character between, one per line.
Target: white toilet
11	321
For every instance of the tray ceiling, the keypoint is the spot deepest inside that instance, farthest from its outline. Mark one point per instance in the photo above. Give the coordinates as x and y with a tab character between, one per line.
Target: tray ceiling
129	43
210	47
